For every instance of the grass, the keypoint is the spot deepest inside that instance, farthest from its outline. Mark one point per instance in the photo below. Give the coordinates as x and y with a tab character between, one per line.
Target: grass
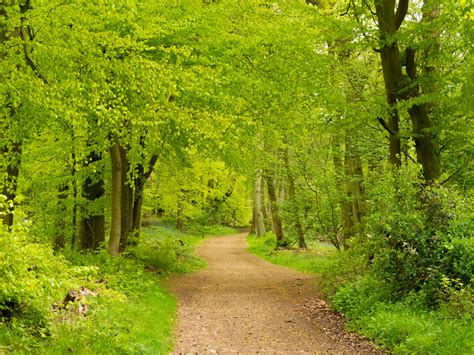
314	260
133	314
401	327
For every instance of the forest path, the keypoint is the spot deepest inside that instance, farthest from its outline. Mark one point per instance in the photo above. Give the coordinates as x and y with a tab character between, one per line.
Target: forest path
241	303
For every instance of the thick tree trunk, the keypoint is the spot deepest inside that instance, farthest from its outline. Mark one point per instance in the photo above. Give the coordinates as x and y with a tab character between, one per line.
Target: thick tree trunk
116	197
427	149
92	223
258	222
277	224
389	21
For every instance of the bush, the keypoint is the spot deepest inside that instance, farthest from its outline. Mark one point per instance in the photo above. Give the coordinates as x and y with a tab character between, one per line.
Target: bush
361	296
32	278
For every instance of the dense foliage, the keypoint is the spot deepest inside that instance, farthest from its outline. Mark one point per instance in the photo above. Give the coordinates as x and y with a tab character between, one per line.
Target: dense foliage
346	122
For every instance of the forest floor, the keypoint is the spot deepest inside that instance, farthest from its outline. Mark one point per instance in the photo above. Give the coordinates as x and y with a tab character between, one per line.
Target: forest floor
241	303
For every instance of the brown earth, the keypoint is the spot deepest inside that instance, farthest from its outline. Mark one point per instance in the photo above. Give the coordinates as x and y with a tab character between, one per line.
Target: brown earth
241	303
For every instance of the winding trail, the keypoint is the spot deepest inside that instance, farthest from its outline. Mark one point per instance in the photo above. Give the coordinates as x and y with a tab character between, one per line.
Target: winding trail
241	303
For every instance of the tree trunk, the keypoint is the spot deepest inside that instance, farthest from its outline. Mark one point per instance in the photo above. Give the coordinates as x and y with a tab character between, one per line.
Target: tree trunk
355	186
126	201
139	183
427	148
116	197
180	218
60	225
277	224
295	213
344	200
389	21
258	222
137	215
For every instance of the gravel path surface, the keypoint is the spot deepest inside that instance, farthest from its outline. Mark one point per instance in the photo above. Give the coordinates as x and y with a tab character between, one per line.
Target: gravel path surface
241	303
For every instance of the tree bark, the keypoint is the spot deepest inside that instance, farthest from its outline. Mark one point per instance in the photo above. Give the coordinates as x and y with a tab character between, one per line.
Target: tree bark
140	181
116	197
345	205
277	224
126	201
258	222
389	21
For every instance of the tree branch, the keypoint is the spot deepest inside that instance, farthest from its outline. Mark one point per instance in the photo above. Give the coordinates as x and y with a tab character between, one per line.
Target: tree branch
151	165
24	8
385	125
453	174
402	10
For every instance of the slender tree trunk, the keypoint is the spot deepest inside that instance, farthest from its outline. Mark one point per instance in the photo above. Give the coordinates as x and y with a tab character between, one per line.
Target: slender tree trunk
137	215
344	200
355	186
116	197
277	224
295	213
139	183
180	218
74	197
61	227
126	201
267	219
258	222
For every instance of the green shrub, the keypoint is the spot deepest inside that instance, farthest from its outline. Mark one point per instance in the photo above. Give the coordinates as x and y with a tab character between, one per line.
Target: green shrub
361	296
32	278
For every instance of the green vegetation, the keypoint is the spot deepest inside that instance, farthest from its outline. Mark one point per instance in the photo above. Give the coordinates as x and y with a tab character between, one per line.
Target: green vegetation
315	260
342	121
369	303
132	312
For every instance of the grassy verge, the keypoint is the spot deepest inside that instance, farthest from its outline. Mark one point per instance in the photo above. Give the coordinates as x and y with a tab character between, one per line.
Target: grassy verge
133	312
402	327
315	260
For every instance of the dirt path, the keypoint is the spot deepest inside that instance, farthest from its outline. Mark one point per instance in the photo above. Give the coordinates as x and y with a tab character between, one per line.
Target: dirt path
241	303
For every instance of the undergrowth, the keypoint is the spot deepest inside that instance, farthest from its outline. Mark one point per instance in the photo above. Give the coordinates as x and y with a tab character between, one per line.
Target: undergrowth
403	326
132	313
